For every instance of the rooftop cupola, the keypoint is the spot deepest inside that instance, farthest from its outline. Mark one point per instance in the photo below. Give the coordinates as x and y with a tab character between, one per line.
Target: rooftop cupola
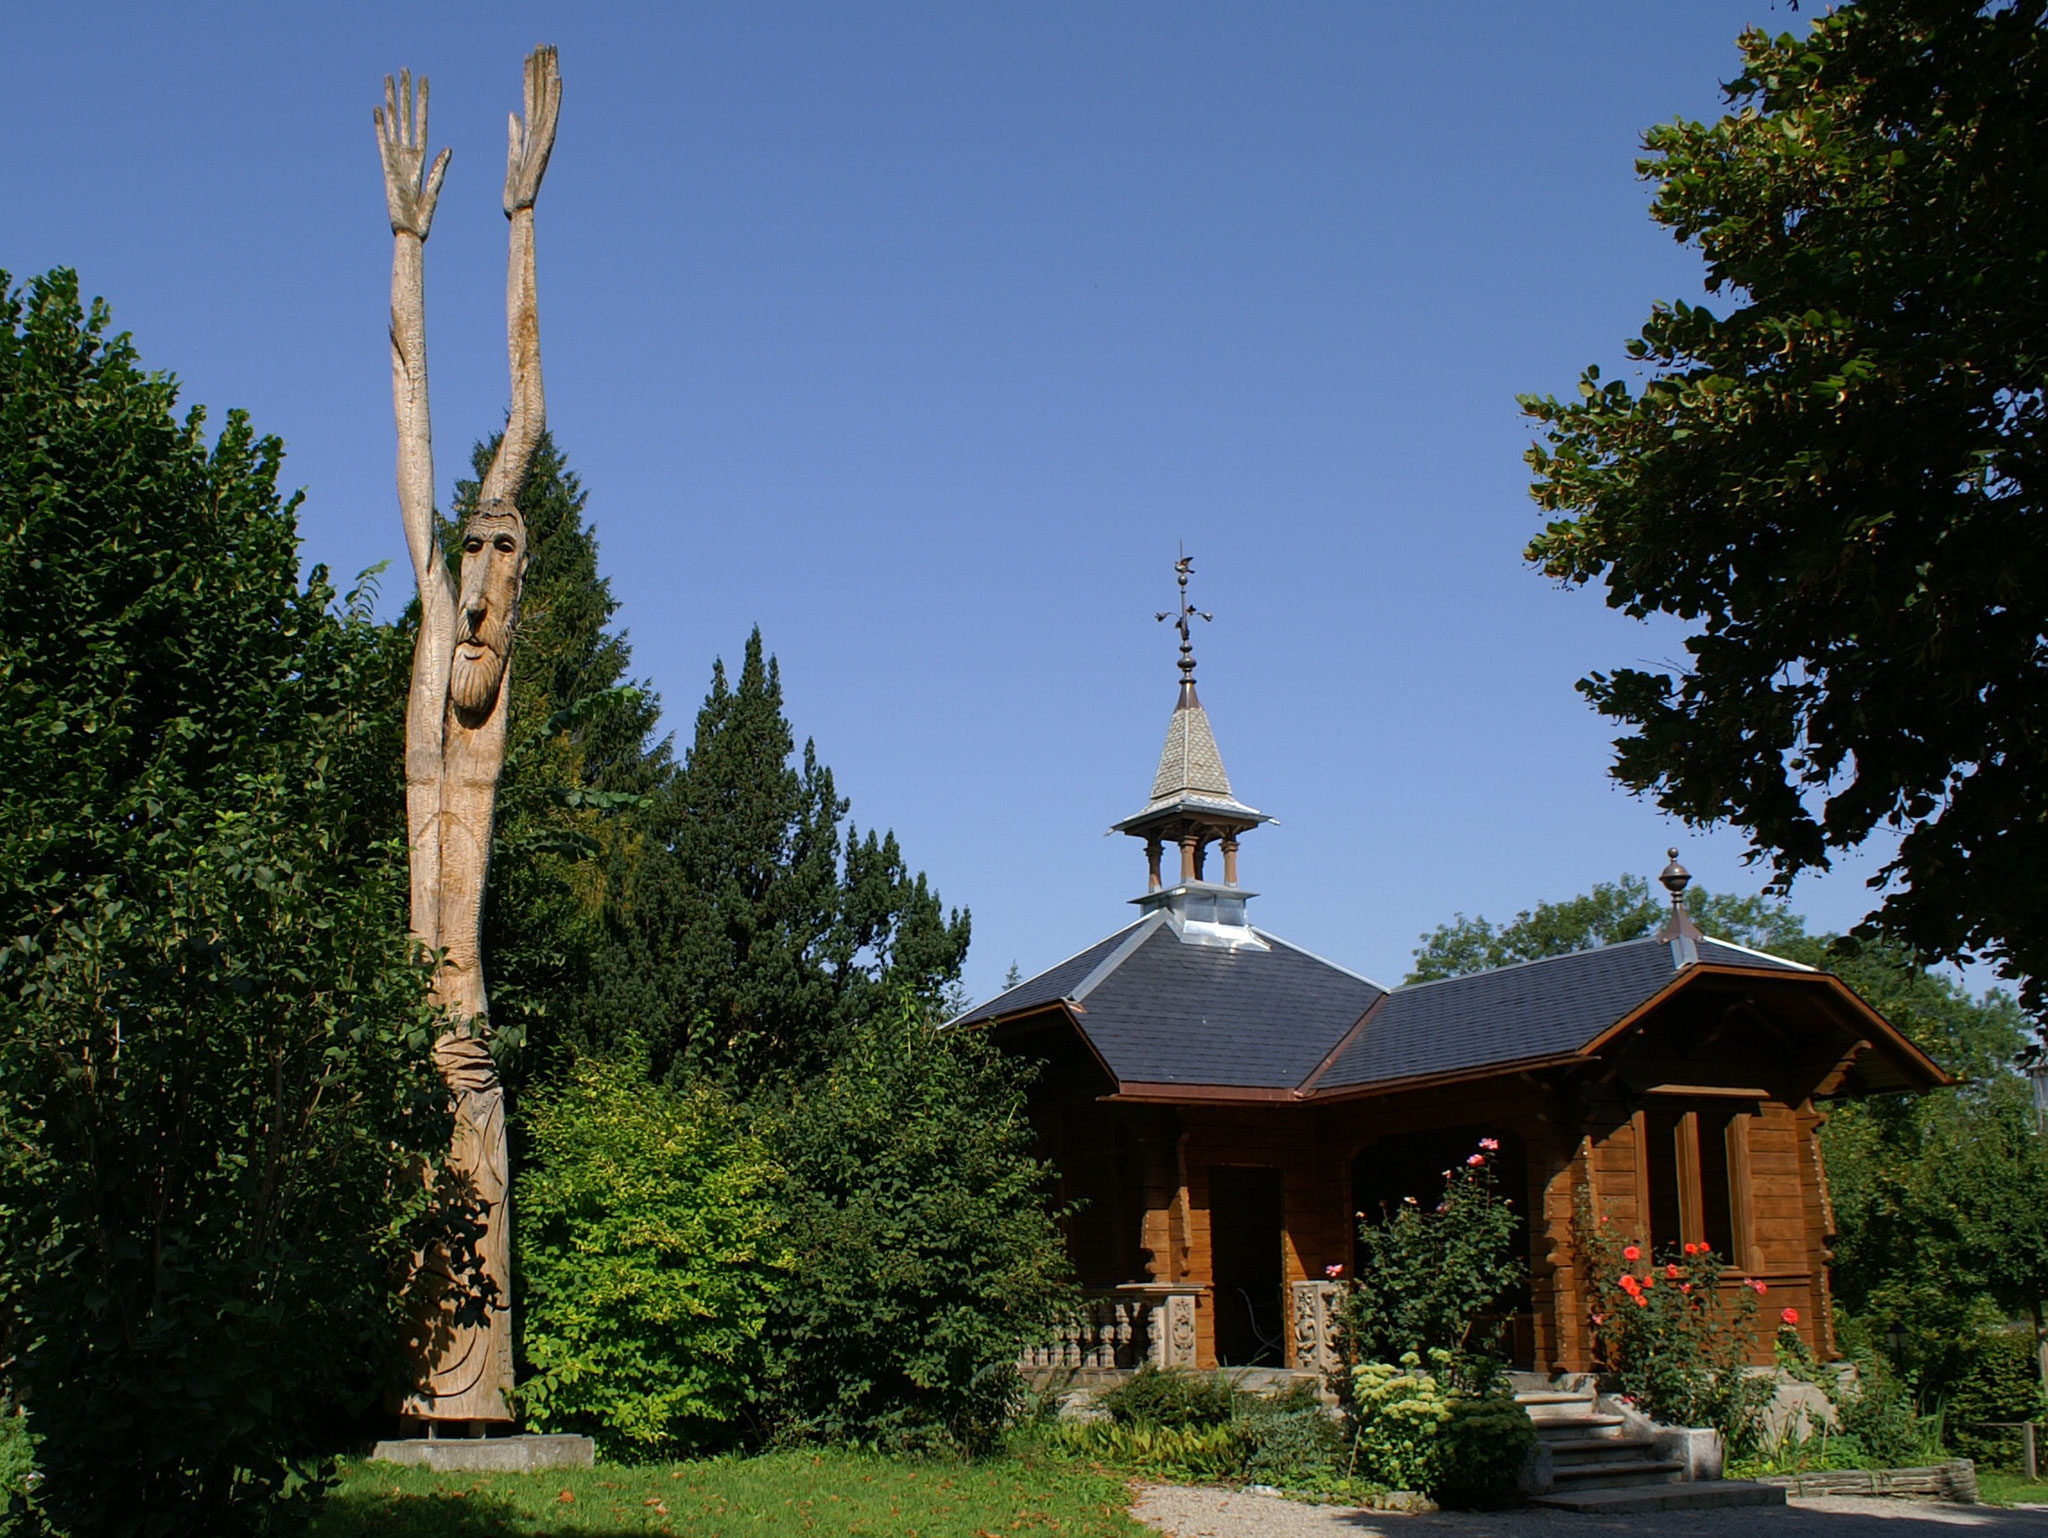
1192	806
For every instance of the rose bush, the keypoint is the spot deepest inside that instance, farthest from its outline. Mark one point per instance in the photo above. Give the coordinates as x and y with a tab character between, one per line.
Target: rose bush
1674	1336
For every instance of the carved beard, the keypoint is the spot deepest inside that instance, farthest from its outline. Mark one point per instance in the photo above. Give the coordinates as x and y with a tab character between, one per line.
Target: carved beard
473	681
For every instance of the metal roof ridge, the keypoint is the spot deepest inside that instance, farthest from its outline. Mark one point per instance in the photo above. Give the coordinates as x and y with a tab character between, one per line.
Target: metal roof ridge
1302	950
1533	961
1751	950
1142	931
976	1009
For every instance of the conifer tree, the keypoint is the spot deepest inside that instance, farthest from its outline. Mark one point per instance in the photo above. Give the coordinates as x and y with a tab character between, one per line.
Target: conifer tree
753	932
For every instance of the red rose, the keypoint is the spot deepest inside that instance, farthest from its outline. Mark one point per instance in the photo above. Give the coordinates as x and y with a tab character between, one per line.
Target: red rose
1632	1253
1790	1316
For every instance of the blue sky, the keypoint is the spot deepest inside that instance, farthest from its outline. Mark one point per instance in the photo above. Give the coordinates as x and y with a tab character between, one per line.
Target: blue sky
922	336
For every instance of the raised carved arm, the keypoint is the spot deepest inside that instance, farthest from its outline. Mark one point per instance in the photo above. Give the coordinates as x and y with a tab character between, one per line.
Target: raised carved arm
410	198
532	140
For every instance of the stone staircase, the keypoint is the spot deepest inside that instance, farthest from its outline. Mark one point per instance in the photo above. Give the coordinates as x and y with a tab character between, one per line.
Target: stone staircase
1595	1455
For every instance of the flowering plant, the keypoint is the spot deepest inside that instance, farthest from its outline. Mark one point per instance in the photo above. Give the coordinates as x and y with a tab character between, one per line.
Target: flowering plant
1676	1340
1438	1280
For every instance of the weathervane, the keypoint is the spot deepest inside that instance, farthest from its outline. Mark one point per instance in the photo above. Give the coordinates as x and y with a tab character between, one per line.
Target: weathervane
1187	611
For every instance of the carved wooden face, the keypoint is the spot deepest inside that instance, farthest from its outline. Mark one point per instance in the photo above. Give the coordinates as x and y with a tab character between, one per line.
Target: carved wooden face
493	570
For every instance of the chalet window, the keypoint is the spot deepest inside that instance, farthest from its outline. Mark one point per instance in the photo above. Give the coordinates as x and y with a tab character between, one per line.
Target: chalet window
1695	1178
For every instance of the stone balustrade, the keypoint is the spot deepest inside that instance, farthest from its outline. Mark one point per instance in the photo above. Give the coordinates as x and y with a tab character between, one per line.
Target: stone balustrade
1315	1327
1122	1328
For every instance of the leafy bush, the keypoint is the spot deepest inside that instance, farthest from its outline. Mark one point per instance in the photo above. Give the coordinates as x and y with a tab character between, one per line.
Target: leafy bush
649	1252
17	1466
1437	1280
1872	1425
1677	1341
216	1088
1178	1452
1291	1441
2000	1383
927	1257
1414	1430
1151	1397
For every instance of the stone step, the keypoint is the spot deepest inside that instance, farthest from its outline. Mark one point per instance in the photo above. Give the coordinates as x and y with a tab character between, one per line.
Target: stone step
1551	1428
1696	1495
1617	1472
1529	1398
1582	1450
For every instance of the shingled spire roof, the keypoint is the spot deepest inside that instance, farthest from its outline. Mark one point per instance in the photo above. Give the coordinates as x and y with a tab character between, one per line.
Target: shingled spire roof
1191	771
1190	764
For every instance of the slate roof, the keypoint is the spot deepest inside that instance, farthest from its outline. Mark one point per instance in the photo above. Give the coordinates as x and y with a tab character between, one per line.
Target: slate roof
1049	986
1161	1011
1535	1009
1172	1013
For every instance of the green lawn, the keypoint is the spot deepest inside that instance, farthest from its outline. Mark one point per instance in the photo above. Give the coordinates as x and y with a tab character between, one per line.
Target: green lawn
807	1492
2010	1489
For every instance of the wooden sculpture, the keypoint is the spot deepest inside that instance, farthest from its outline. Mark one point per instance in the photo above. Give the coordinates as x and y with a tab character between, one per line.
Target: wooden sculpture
455	714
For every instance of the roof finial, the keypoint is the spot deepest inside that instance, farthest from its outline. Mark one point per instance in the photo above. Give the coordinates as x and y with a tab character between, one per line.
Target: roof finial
1180	617
1680	930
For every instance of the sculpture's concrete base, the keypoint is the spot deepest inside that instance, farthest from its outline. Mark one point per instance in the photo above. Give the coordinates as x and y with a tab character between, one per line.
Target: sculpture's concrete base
490	1455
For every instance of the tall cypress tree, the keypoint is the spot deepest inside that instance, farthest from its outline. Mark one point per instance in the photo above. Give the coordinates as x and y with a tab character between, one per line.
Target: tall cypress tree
752	931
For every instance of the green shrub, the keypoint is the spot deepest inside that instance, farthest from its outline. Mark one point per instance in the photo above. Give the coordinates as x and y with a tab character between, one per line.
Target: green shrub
1293	1442
649	1254
2000	1382
1151	1397
1178	1452
216	1084
17	1465
1414	1430
1485	1441
927	1255
1437	1280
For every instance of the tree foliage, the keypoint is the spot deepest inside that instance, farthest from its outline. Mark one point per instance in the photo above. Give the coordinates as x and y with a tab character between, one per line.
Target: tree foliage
1612	912
927	1257
753	930
215	1091
1838	481
649	1251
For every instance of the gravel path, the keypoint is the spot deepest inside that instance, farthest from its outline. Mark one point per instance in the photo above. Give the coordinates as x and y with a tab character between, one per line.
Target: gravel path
1183	1511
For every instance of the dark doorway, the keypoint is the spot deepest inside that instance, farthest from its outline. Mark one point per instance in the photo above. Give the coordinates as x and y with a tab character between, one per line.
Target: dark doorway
1245	1216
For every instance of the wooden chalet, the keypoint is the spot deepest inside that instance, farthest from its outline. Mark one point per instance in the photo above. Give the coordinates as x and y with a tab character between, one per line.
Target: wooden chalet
1223	1107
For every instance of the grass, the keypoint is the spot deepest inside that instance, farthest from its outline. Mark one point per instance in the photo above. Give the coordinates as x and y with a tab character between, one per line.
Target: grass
795	1492
2002	1489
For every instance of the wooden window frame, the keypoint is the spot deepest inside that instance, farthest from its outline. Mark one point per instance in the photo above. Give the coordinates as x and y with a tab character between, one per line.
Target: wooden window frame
1691	1189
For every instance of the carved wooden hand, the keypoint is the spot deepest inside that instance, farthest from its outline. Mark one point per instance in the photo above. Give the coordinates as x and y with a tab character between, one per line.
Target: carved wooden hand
402	137
532	140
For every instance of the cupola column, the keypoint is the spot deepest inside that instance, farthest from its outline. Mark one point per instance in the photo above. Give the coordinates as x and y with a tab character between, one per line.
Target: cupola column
1152	847
1190	855
1230	859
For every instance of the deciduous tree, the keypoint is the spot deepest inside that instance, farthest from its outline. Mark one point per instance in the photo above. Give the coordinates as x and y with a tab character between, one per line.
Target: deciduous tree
216	1092
1836	478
